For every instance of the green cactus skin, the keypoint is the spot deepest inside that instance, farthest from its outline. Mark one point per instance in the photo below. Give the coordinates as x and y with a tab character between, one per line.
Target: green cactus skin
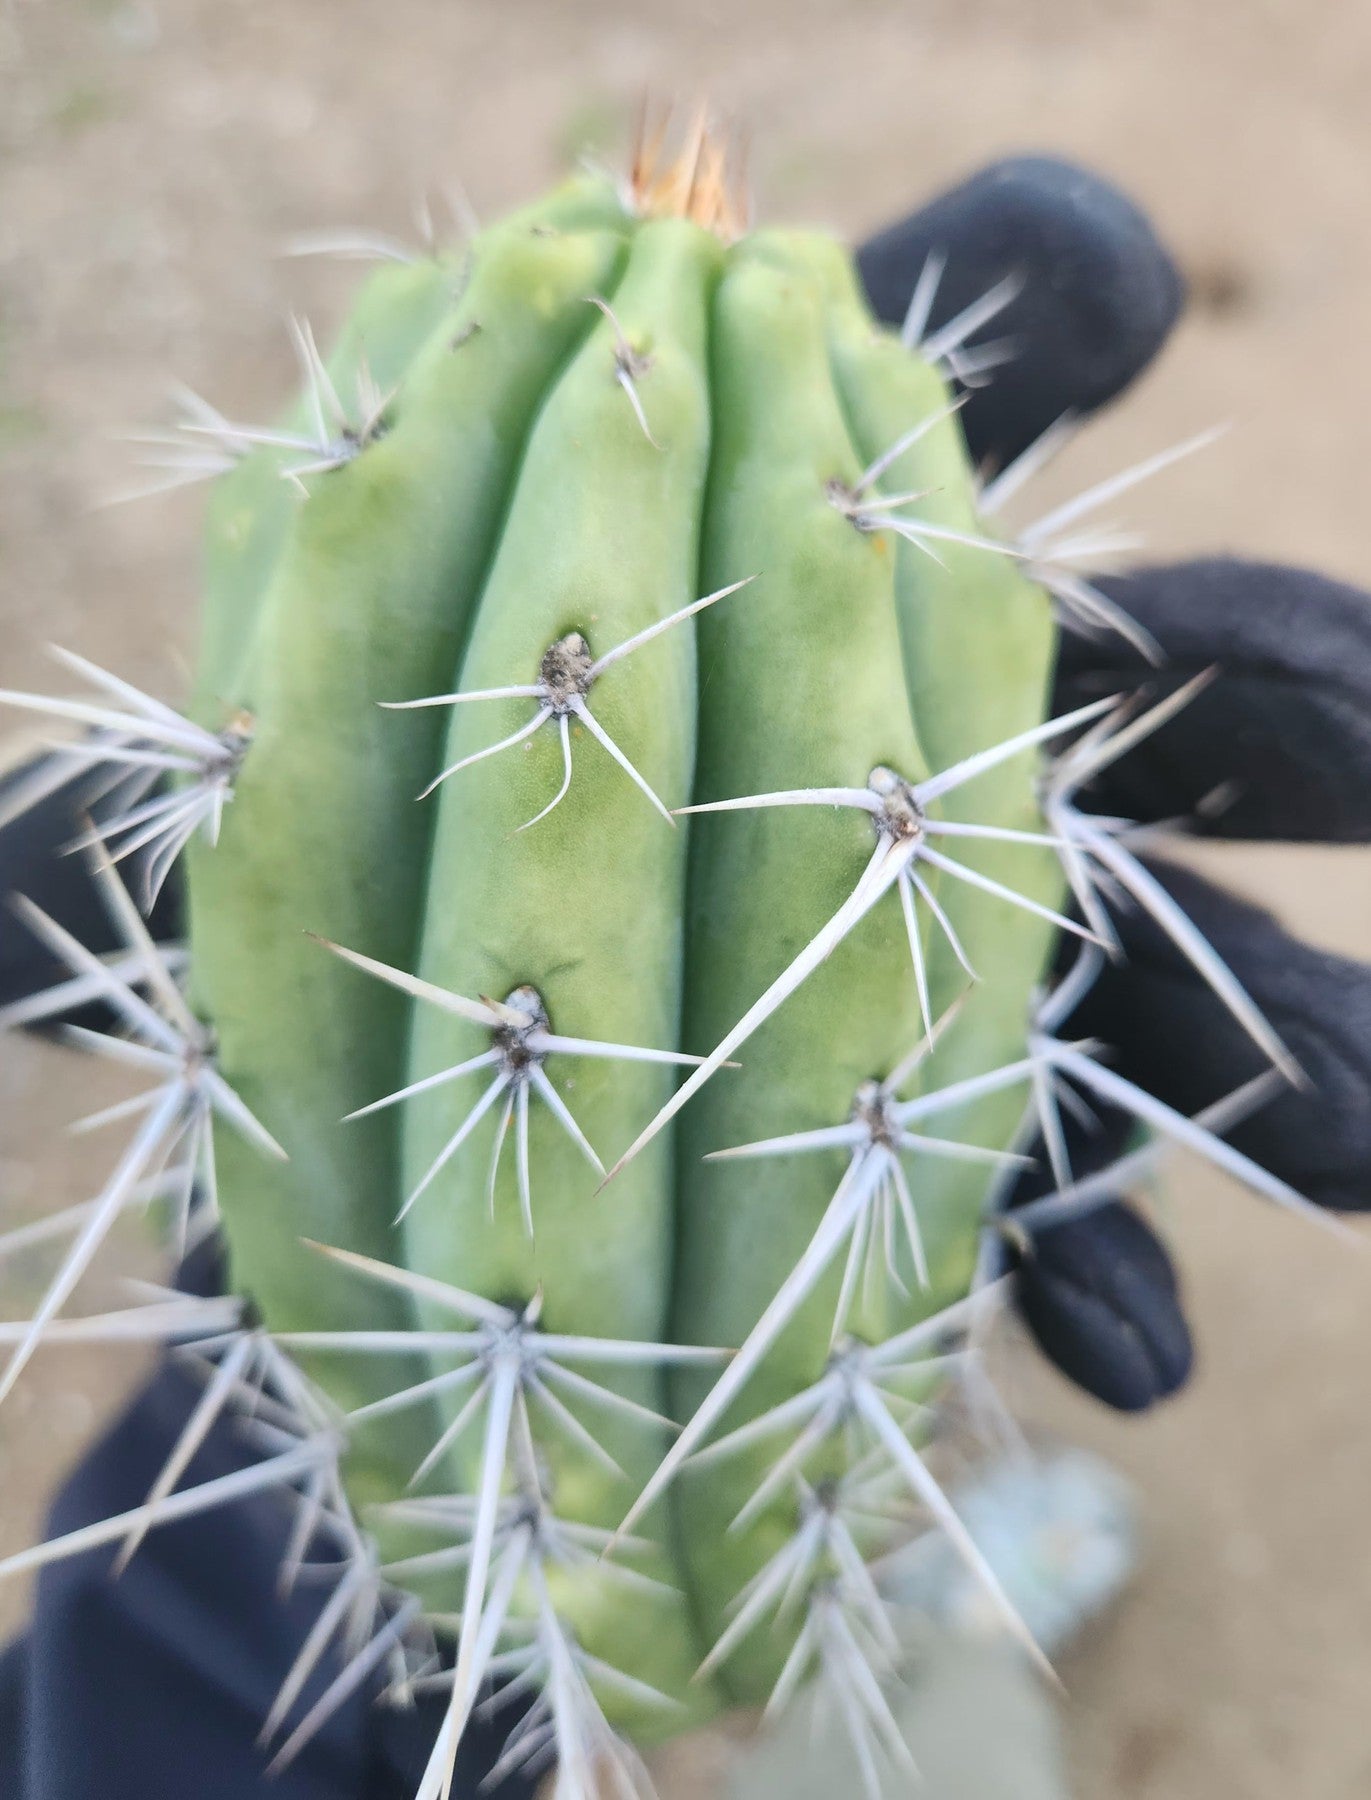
515	497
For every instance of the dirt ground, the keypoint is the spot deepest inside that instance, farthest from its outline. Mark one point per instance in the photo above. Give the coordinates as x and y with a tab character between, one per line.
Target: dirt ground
153	160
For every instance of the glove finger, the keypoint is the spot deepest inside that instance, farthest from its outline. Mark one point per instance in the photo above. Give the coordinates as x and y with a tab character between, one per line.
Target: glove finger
1099	1295
1284	732
33	863
1099	294
1170	1035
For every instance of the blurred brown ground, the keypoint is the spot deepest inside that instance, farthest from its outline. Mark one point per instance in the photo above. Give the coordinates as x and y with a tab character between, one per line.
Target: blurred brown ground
153	159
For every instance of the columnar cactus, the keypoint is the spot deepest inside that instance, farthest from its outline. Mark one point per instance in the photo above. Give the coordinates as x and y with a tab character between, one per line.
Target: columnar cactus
625	858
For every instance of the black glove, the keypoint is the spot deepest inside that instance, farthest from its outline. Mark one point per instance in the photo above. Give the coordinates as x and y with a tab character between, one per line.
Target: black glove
1099	1293
154	1685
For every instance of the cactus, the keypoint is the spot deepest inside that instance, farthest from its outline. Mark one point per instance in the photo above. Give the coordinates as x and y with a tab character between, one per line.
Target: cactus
626	844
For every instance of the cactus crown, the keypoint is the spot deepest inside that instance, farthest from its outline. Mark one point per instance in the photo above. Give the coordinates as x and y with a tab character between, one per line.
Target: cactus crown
633	547
702	180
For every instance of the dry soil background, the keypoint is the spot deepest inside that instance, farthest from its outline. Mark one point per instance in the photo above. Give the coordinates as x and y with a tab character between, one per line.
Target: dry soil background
153	159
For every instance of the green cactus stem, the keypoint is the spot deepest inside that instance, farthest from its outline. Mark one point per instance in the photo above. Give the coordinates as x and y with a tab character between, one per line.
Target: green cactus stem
626	843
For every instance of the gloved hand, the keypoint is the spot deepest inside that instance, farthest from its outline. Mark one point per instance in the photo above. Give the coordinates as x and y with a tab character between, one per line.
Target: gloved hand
1099	1293
1283	735
154	1685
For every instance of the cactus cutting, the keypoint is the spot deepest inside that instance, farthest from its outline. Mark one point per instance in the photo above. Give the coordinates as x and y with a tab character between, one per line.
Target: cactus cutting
637	904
